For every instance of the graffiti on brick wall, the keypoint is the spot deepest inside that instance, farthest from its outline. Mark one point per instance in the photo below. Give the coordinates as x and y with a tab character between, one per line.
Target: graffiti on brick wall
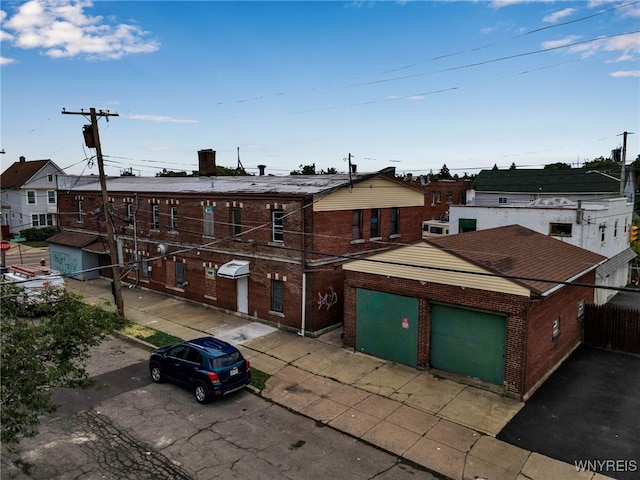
64	262
329	299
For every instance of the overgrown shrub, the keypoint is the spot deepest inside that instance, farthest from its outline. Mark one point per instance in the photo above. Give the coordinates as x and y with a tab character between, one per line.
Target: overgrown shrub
37	234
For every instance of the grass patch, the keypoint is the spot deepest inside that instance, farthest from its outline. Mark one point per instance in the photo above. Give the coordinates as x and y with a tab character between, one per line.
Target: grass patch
150	335
258	378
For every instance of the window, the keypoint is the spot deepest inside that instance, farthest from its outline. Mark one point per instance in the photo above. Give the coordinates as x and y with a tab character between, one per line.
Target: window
277	225
31	197
356	225
375	223
560	229
502	200
555	329
50	178
194	356
615	229
236	221
277	296
603	230
80	211
174	219
207	214
467	225
180	282
449	197
42	220
128	219
395	218
155	217
51	197
435	198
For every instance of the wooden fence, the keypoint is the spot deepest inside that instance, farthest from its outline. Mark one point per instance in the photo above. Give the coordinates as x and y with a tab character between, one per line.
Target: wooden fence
612	327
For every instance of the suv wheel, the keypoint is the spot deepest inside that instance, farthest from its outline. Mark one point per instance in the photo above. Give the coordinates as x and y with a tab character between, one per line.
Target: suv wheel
201	393
156	373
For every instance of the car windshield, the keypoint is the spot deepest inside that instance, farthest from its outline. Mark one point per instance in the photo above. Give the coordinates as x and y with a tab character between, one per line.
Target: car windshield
226	360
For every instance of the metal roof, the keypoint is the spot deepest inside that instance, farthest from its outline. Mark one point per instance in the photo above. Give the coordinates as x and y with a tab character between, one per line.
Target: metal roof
261	184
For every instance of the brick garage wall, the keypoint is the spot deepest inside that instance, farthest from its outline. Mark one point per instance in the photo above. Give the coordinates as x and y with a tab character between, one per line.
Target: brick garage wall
543	351
512	306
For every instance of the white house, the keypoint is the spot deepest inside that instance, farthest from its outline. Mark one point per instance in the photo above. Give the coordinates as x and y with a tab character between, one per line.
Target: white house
28	194
574	206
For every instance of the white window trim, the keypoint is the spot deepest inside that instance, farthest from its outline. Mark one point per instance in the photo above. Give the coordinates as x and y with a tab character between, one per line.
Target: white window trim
35	197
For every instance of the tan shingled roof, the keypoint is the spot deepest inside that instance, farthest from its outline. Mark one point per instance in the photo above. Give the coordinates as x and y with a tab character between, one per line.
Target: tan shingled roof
516	251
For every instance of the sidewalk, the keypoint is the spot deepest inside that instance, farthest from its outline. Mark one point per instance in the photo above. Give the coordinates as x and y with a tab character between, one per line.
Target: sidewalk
447	427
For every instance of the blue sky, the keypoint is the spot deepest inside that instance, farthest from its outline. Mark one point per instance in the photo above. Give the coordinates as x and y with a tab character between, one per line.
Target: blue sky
408	84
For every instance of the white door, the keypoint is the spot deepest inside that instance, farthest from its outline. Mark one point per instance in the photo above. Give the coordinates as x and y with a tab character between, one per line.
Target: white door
242	287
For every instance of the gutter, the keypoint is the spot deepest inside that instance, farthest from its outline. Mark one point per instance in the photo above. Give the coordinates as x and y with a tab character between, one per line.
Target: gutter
575	277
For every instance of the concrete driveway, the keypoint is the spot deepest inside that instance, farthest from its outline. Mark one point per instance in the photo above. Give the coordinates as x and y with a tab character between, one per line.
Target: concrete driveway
587	411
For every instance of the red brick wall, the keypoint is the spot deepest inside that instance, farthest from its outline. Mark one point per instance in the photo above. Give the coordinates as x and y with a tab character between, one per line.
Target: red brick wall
333	230
544	352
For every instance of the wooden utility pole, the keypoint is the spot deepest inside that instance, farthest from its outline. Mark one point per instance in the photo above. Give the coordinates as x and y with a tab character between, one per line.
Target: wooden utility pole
115	272
623	161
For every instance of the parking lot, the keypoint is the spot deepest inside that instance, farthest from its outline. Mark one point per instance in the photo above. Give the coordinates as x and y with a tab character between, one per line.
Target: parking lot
586	411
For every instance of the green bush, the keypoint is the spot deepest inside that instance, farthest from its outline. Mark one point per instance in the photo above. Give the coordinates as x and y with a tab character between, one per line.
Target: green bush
36	234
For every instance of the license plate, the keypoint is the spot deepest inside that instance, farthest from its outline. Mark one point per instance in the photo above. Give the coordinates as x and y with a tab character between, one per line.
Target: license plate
233	371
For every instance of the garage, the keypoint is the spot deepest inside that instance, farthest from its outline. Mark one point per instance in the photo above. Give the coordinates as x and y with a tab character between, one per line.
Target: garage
387	326
468	342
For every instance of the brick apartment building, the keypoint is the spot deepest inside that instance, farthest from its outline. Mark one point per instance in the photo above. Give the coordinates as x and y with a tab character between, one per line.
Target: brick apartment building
268	247
473	304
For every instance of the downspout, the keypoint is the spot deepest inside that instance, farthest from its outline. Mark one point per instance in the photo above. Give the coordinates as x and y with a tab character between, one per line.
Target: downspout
135	242
303	321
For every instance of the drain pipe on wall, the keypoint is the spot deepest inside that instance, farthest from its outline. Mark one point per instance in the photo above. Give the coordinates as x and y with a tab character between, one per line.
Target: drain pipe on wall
304	304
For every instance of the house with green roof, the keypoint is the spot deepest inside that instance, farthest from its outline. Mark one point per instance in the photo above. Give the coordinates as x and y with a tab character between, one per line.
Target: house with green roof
582	206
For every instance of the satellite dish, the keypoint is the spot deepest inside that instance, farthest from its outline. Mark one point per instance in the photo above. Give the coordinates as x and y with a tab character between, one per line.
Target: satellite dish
162	249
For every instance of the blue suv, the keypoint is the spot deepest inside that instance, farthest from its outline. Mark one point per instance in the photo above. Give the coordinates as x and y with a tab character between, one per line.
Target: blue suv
208	366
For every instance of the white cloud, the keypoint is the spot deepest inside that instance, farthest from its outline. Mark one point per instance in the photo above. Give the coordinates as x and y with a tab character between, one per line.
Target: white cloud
625	73
560	14
60	28
562	42
416	97
6	61
160	118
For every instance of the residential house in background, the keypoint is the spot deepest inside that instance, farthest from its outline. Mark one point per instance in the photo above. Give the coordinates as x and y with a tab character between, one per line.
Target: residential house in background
268	247
582	207
28	195
502	306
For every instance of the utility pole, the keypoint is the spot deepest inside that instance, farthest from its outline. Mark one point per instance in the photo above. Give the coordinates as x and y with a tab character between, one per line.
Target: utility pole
624	161
92	140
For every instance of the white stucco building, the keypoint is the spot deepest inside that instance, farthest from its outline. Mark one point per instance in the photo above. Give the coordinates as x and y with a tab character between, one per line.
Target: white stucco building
574	206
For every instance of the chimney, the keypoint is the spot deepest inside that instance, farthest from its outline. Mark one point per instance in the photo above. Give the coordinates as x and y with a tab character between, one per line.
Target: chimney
207	163
22	159
261	168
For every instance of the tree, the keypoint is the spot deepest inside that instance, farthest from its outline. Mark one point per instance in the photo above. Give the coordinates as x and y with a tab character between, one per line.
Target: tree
444	173
305	170
557	166
44	347
601	162
513	166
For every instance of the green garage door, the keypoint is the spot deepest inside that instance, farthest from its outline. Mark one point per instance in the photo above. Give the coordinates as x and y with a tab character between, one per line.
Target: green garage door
387	326
468	342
